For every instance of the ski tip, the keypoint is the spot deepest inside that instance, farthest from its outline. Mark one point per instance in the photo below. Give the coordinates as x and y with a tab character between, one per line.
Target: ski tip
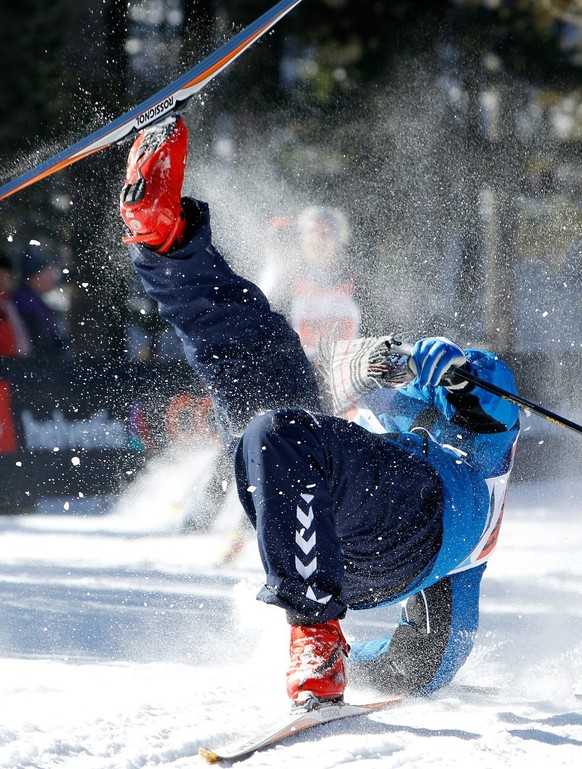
208	755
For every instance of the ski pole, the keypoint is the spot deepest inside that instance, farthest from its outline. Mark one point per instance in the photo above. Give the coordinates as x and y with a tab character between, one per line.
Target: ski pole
517	400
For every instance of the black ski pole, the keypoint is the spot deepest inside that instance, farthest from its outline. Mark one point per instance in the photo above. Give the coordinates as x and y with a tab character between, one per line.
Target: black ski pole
515	399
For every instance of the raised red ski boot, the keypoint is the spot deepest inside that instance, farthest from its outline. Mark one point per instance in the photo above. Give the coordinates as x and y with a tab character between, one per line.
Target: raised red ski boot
151	199
317	667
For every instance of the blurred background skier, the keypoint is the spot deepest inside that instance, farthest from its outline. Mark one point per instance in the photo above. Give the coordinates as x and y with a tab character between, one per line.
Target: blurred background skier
323	304
308	275
402	504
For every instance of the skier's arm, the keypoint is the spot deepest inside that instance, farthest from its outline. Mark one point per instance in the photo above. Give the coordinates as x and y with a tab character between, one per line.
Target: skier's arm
247	355
434	638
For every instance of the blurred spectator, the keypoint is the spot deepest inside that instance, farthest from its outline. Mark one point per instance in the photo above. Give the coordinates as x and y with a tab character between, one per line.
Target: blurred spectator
38	278
322	302
14	336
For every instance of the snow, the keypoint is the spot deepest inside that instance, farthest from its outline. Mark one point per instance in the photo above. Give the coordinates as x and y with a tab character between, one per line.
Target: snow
123	645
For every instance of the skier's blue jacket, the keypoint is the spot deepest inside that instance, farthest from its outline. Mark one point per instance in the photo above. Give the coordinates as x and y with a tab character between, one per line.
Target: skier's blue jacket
477	429
252	361
439	622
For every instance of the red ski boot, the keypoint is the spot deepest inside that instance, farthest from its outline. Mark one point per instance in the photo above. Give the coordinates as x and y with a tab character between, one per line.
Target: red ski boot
151	203
317	666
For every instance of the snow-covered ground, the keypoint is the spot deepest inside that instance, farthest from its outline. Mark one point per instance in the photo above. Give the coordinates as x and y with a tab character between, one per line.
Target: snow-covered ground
124	645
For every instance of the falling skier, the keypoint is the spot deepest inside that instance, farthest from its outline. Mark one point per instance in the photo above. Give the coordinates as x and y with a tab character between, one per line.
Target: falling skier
402	504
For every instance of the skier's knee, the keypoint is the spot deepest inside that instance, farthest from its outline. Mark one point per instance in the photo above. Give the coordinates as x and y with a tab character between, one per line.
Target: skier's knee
277	422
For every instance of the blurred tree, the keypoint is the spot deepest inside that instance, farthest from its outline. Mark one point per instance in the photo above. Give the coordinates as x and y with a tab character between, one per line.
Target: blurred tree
322	84
99	310
34	101
34	36
198	29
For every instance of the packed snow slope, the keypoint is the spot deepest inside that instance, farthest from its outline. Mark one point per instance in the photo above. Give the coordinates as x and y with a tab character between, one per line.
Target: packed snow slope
124	645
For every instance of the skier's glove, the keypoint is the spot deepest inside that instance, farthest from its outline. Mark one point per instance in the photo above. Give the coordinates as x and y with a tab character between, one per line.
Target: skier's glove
355	367
151	204
433	361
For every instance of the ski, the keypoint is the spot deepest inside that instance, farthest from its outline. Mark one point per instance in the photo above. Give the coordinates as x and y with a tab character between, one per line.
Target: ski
304	719
319	714
169	100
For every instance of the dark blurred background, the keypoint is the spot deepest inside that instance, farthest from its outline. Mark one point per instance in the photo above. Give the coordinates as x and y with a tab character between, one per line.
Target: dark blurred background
447	131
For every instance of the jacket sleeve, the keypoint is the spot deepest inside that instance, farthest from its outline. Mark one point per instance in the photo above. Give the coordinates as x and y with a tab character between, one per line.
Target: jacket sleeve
247	355
432	641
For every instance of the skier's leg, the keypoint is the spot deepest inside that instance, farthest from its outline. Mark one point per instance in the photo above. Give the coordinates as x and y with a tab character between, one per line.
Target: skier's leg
431	643
247	355
343	517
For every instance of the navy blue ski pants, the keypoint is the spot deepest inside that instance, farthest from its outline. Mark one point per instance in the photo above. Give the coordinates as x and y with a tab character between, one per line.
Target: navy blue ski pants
344	517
